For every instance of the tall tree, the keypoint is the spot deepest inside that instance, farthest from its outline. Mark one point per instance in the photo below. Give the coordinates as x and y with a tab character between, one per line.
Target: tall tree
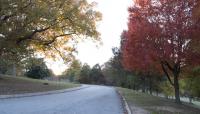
160	33
85	74
73	72
96	75
115	74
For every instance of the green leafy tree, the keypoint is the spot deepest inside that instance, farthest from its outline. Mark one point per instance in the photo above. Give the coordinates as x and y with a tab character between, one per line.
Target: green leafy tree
114	71
45	26
37	72
85	74
36	68
96	75
3	66
73	72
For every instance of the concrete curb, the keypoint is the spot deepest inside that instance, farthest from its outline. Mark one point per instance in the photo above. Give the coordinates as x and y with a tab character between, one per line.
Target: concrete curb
42	93
125	104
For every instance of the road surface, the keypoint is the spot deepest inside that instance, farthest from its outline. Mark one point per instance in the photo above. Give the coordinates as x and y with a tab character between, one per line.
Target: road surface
90	100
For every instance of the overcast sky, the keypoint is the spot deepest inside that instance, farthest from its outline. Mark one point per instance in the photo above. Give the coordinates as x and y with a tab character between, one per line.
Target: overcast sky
115	17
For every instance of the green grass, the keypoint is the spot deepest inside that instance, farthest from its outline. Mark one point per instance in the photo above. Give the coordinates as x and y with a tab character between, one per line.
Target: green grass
18	85
156	105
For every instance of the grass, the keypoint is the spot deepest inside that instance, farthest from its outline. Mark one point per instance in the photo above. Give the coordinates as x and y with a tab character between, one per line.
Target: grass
19	85
155	105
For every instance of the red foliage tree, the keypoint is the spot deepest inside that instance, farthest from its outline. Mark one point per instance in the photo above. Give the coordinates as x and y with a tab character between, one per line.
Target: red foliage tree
161	33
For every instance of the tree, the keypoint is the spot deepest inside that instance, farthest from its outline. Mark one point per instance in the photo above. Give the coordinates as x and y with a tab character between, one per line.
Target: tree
116	75
36	68
161	34
37	72
85	74
73	72
11	66
114	71
33	61
3	66
48	27
96	75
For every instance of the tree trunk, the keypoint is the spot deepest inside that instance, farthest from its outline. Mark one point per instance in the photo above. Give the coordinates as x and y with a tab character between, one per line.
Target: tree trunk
150	85
176	88
14	70
156	92
143	84
176	71
190	99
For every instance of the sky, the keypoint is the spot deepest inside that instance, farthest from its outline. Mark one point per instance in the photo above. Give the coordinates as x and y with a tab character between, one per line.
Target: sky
114	21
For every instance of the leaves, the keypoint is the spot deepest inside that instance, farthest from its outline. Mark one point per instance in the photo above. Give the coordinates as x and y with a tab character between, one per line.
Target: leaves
162	31
160	36
46	26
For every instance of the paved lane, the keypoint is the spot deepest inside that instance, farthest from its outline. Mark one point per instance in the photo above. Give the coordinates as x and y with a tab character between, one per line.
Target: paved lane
91	100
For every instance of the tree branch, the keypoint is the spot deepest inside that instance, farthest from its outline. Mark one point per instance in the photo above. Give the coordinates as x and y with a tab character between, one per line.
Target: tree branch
166	73
168	65
59	52
54	39
30	36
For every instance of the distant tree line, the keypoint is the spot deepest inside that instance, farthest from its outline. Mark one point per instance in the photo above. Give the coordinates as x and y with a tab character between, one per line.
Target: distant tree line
112	73
84	74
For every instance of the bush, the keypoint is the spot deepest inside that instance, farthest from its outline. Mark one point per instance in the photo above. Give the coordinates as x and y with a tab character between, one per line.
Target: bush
37	72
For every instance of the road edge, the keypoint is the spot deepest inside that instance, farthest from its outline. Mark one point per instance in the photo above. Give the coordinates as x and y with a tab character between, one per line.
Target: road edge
42	93
124	103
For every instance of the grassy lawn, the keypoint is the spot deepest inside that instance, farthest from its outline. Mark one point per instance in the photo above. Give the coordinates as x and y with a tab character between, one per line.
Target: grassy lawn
142	103
18	85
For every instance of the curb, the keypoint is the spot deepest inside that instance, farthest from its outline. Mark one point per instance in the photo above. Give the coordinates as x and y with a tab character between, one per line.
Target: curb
42	93
124	103
126	106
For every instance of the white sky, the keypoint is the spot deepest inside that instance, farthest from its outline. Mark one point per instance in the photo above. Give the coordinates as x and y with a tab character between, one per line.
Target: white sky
114	21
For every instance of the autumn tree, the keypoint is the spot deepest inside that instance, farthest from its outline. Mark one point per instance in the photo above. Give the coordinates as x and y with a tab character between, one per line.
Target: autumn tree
196	11
48	27
160	34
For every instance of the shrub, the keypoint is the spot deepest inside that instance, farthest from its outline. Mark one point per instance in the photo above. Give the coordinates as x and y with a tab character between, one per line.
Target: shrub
37	72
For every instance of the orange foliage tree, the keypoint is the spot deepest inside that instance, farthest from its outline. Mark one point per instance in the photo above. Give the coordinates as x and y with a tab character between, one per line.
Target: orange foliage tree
160	34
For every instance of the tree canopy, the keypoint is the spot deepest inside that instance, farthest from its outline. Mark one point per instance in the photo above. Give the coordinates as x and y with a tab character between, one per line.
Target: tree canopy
50	27
161	34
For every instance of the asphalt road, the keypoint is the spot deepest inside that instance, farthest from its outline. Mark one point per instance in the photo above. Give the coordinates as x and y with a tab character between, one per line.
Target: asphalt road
91	100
